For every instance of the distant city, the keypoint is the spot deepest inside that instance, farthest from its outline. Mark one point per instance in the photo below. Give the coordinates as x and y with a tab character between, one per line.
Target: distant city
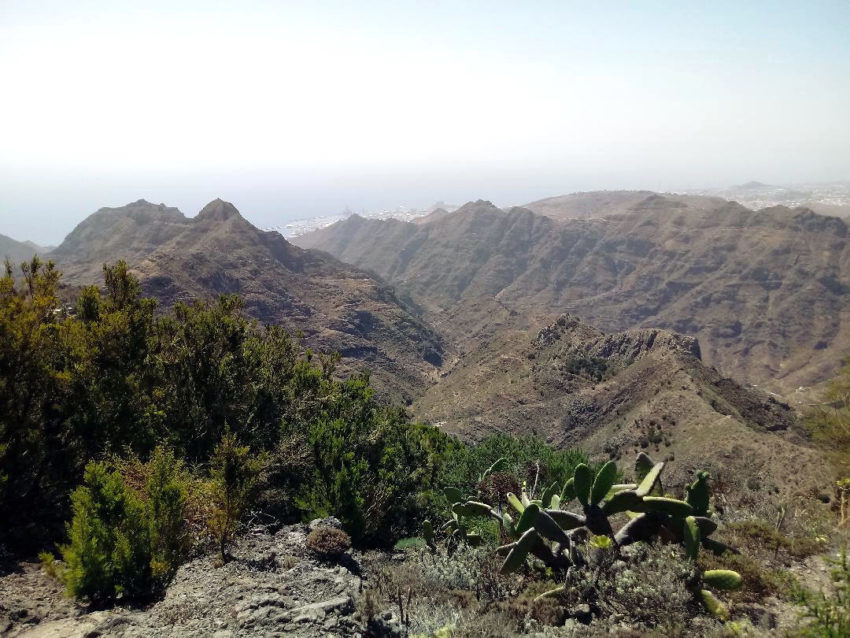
303	226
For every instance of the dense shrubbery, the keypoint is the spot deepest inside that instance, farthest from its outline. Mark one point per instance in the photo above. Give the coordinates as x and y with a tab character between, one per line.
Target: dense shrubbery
526	459
112	377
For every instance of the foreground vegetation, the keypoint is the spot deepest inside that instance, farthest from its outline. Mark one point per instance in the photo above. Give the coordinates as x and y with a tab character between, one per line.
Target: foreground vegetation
132	439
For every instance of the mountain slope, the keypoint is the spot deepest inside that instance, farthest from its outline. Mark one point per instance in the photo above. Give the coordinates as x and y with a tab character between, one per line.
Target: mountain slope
335	305
18	251
766	292
617	394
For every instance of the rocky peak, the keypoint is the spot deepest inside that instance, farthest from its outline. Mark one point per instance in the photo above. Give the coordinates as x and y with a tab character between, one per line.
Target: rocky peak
481	205
218	210
576	335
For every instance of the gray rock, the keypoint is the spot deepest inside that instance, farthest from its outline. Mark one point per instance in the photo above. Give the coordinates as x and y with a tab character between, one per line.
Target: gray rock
330	521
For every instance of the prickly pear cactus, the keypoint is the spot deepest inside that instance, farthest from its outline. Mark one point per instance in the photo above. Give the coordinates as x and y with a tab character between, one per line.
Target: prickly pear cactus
543	529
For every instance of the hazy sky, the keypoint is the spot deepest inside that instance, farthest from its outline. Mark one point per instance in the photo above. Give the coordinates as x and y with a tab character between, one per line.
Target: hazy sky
294	109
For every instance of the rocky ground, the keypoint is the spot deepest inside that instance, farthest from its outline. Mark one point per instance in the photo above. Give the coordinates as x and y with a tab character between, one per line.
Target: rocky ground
272	587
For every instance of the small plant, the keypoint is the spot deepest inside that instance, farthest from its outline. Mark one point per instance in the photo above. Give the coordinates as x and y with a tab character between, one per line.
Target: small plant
328	542
413	542
234	478
842	486
828	616
49	565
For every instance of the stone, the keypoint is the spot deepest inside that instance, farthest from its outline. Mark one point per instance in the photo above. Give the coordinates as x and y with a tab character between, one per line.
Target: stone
329	521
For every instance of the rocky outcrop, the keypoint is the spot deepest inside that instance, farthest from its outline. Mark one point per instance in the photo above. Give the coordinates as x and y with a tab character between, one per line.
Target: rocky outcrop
272	587
622	347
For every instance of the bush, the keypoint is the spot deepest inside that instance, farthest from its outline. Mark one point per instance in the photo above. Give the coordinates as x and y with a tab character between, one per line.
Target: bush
109	553
328	542
371	468
595	368
129	530
167	491
234	476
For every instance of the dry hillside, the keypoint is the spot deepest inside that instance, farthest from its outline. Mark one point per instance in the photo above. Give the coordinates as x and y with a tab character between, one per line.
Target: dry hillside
617	394
766	292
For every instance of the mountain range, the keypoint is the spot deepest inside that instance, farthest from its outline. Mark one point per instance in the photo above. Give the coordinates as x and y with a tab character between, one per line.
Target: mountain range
18	251
765	292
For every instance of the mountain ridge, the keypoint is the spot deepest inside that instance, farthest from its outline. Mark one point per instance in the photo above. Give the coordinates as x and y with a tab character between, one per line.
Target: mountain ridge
614	395
17	251
764	291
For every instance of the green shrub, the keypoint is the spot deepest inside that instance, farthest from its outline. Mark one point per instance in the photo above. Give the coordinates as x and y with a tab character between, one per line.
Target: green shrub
527	459
167	490
234	475
109	552
371	468
595	368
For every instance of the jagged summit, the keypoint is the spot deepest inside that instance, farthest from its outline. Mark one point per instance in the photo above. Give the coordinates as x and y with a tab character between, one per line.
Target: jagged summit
479	205
218	210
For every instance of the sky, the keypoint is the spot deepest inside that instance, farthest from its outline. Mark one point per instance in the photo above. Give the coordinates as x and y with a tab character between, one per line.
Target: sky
299	109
